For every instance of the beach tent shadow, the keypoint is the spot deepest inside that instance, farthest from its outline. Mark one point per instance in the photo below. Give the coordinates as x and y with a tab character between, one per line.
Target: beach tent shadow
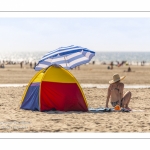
63	112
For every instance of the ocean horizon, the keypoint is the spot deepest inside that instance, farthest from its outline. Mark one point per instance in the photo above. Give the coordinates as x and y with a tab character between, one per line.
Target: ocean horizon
100	57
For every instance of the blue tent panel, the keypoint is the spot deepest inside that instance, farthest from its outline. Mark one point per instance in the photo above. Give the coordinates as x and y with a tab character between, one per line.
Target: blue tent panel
31	100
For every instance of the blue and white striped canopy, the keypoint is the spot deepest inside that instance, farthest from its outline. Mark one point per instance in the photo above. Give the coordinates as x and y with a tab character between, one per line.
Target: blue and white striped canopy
68	57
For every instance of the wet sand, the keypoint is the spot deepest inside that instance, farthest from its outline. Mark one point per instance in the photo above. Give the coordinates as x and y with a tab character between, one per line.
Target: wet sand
14	119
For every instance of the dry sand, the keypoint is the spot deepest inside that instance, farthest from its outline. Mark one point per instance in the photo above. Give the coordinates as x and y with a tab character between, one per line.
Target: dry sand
14	119
87	74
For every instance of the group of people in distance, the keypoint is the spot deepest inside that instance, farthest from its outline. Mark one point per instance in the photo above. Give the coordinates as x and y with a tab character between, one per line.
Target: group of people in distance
111	66
30	64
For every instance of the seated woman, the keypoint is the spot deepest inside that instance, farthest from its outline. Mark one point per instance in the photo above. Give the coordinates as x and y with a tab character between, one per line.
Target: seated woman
115	93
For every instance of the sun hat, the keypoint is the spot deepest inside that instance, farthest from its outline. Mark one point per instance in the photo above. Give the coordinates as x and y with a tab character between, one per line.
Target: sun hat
116	78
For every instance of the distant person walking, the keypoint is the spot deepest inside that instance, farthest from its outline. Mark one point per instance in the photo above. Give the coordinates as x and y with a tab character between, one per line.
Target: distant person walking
21	64
30	64
34	64
129	69
111	65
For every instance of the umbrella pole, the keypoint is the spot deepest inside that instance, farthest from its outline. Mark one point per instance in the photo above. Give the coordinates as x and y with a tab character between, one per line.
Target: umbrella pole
66	61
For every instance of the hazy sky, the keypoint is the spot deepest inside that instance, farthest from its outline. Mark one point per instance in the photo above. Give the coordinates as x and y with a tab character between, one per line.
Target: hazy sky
98	34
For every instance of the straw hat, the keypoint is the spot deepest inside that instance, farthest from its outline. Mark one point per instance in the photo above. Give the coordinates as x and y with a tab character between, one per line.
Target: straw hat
116	78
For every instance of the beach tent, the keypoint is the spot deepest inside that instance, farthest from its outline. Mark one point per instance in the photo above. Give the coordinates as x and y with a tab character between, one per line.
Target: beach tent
54	88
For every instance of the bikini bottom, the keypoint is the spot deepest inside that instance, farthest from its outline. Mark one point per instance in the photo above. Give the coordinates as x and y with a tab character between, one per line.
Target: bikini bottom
116	103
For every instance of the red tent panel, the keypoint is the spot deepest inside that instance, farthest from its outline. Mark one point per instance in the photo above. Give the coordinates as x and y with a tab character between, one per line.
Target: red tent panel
61	96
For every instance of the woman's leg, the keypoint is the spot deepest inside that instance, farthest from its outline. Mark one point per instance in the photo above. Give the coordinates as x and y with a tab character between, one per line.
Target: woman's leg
126	99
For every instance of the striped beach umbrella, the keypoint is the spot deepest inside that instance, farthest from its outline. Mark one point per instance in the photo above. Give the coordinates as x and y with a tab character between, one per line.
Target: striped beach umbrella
68	57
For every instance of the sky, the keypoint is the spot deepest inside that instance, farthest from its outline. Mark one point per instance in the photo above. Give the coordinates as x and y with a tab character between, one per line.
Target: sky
97	34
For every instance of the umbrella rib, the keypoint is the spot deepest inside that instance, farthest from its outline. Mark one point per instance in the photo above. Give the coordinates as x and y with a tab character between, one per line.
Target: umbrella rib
66	61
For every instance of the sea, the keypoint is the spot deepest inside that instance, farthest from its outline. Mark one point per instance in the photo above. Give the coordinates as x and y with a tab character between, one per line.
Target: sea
133	58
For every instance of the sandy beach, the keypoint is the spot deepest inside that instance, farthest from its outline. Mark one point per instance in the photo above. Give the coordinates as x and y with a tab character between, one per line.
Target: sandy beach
14	119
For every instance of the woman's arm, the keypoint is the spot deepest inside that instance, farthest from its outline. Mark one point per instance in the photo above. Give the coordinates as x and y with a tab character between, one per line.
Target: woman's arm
121	93
108	95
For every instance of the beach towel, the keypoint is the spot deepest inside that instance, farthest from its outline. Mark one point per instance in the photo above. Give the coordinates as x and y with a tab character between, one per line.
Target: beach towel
100	109
103	109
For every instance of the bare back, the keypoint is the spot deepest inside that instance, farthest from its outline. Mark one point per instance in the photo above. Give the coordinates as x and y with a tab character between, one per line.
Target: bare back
116	91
